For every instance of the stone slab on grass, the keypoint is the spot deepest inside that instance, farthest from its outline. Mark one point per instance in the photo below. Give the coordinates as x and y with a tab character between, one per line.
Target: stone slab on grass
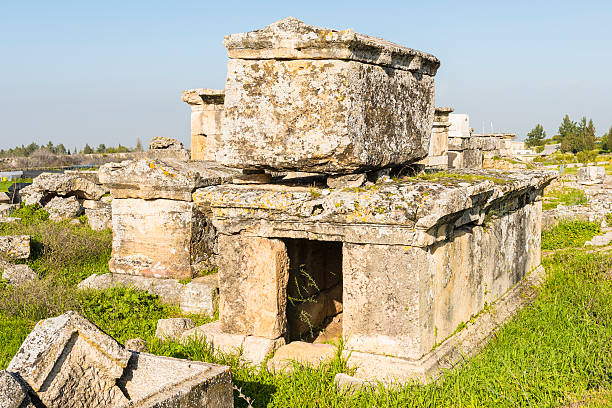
69	362
173	328
309	354
17	274
15	246
61	209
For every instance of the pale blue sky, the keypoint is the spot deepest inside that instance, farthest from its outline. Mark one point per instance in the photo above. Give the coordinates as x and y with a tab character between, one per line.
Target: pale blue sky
78	72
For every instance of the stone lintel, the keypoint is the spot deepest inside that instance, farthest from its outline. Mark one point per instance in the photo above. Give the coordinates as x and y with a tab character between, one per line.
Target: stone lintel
411	212
162	178
291	38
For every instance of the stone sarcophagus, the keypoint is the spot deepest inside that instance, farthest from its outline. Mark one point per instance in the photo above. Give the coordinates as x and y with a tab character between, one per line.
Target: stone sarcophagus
206	121
402	264
305	98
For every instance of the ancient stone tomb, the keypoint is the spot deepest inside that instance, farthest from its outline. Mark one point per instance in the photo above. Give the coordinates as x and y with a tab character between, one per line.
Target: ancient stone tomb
394	266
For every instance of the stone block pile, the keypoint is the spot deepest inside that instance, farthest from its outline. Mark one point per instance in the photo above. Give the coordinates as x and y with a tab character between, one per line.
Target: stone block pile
67	361
68	195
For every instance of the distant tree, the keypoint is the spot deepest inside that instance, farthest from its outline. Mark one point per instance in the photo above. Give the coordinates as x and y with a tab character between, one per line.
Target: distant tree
536	136
101	148
87	149
61	149
606	140
138	145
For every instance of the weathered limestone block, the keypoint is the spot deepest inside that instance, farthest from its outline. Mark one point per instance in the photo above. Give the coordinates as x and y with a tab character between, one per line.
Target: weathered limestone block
17	274
591	175
171	179
99	218
173	328
158	238
91	175
15	246
307	354
347	180
29	196
253	275
255	349
155	382
7	209
61	209
69	362
398	278
212	333
13	394
64	185
201	295
304	98
136	344
164	143
206	121
4	198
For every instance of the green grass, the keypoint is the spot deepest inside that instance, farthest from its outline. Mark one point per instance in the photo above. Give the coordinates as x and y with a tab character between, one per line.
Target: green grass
565	196
569	234
4	185
555	351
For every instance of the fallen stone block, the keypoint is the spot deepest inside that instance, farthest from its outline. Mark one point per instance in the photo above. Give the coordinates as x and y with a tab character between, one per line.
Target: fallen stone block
15	246
211	333
61	209
173	328
308	354
347	181
600	240
136	344
7	209
590	175
201	295
9	220
163	382
69	362
169	143
66	361
256	349
13	393
4	198
17	274
100	218
63	185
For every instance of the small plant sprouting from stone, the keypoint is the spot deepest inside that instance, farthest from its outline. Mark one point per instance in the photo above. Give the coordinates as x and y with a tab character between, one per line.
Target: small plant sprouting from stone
314	193
248	400
304	316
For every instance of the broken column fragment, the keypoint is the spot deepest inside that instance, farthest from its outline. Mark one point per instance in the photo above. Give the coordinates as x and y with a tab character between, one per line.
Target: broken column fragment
206	121
305	98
